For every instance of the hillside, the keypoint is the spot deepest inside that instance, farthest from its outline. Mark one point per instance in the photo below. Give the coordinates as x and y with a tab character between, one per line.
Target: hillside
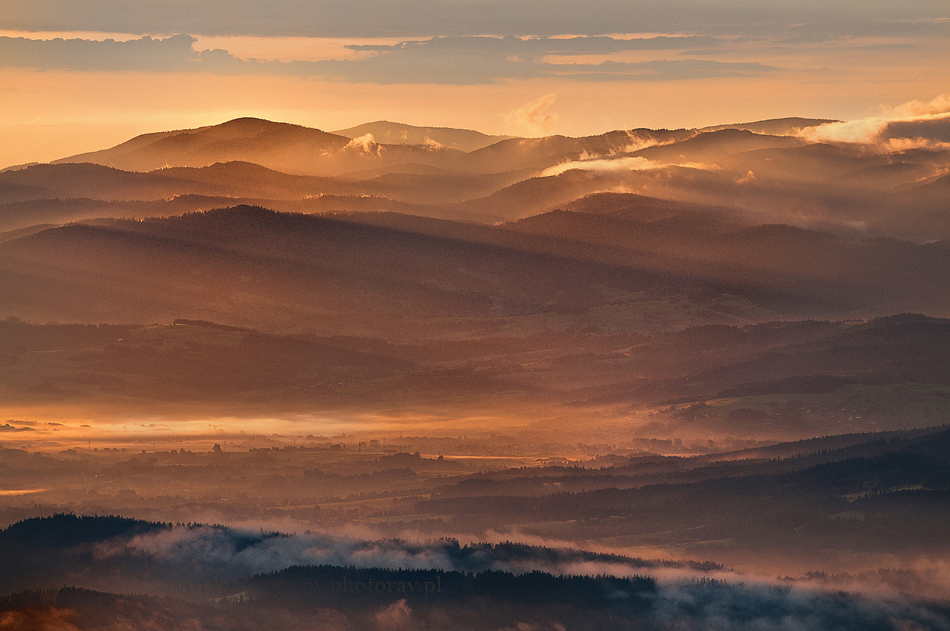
766	172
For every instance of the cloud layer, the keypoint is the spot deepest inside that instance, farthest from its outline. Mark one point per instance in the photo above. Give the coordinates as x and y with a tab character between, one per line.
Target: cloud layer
439	60
402	18
684	595
913	125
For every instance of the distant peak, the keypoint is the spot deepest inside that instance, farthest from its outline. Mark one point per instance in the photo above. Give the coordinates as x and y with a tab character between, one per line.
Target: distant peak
252	121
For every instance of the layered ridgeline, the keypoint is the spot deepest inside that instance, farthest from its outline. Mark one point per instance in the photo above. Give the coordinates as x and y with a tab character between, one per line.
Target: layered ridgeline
786	171
596	341
390	265
355	273
737	224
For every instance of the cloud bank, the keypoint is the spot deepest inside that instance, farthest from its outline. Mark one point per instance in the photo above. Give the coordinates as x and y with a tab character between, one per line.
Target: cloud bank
701	598
334	18
912	125
438	60
236	552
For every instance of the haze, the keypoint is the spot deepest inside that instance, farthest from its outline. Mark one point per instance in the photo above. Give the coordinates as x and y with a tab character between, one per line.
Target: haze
487	315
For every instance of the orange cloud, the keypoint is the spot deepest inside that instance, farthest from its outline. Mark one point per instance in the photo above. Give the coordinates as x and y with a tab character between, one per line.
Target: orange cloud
884	131
533	118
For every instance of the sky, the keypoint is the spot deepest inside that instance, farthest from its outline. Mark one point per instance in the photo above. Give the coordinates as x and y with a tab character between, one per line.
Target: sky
81	75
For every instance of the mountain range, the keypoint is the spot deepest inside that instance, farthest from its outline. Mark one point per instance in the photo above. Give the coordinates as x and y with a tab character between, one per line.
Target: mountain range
589	272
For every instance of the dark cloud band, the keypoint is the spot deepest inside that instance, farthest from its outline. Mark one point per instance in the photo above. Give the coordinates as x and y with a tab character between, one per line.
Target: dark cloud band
406	18
447	61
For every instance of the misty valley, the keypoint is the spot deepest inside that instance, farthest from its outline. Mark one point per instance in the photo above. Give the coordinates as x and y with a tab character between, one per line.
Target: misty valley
262	376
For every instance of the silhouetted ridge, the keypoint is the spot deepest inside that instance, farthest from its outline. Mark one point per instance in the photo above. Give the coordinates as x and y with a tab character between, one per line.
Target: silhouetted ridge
295	584
904	319
777	126
251	123
66	530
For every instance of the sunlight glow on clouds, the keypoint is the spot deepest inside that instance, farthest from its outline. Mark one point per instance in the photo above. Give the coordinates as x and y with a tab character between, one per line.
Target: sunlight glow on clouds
438	60
480	65
533	118
621	165
914	124
617	165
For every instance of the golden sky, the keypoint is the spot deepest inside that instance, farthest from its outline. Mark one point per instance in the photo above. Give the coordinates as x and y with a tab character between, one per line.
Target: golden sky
74	82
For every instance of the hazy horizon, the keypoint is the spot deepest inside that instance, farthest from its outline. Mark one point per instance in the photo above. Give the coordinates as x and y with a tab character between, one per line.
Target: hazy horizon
532	315
81	76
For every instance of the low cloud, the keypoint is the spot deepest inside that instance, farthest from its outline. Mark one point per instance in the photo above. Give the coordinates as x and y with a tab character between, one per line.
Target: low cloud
766	606
620	166
615	165
912	125
397	617
534	118
915	109
243	552
365	144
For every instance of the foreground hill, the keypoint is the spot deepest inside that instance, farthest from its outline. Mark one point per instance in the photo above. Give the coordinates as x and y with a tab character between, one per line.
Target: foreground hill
216	577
